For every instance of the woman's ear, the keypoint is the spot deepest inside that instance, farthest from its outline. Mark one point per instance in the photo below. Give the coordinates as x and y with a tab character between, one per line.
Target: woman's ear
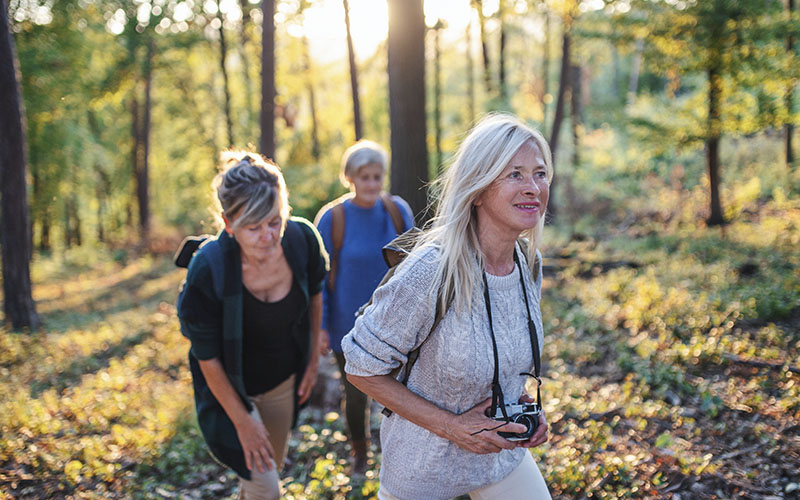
228	225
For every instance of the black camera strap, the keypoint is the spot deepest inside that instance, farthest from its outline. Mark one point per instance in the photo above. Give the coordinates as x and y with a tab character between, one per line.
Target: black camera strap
497	392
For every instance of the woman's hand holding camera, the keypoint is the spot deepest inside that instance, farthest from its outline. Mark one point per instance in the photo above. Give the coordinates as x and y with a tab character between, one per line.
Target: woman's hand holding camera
477	433
541	435
258	452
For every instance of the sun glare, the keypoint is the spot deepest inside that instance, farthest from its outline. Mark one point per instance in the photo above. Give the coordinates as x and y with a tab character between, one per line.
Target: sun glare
369	24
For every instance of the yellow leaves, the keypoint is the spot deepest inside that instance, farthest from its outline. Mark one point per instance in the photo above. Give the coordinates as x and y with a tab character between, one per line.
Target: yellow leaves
72	470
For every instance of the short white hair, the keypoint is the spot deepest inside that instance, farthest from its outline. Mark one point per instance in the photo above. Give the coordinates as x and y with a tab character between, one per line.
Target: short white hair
361	154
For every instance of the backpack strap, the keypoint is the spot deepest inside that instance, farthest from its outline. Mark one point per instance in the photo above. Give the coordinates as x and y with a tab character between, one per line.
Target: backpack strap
217	266
394	212
337	237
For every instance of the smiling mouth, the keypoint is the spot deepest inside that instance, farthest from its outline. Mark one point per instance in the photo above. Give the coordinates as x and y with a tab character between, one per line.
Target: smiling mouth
527	206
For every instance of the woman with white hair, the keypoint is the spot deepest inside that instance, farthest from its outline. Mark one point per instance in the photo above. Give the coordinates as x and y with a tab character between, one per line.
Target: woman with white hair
479	263
354	228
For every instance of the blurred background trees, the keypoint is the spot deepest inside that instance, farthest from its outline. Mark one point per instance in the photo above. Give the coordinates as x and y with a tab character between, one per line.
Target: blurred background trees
646	102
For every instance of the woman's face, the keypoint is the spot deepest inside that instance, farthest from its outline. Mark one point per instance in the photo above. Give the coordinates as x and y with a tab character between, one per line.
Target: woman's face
259	240
517	199
368	184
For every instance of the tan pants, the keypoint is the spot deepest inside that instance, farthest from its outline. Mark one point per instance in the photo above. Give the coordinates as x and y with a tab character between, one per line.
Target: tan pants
524	483
275	409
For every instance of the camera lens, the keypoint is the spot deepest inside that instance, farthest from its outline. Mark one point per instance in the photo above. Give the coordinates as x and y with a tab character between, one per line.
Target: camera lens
530	422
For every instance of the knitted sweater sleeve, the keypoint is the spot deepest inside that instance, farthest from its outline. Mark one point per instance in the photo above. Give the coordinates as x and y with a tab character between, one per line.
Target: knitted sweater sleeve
398	320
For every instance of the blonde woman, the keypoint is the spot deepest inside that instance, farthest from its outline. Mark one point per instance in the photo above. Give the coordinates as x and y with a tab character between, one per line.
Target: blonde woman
255	337
440	443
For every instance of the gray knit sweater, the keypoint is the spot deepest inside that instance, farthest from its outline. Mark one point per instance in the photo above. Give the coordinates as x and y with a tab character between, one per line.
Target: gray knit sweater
454	370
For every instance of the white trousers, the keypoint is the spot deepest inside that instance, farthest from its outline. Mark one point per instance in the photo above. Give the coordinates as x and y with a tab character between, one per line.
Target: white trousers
524	483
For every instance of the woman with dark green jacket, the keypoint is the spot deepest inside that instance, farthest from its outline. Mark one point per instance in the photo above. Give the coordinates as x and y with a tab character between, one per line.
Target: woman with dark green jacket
252	308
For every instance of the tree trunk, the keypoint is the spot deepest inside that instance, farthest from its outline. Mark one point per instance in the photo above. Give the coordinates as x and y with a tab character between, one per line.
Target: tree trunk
223	50
142	170
267	120
470	77
576	110
487	71
316	150
789	128
501	58
248	84
15	237
437	94
636	68
563	86
351	57
712	145
546	68
406	48
558	118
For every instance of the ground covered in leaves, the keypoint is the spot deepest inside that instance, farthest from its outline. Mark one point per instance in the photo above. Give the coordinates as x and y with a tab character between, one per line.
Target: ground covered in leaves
672	362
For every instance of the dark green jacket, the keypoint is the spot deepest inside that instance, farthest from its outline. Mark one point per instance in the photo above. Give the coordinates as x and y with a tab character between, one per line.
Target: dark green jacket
215	327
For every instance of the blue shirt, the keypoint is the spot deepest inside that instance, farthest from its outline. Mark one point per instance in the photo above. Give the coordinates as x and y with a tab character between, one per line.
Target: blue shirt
360	262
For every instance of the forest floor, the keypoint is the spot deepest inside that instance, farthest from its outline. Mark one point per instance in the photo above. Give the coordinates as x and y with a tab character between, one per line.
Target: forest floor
671	371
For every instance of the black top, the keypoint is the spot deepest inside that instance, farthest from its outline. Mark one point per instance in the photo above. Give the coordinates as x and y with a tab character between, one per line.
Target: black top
270	354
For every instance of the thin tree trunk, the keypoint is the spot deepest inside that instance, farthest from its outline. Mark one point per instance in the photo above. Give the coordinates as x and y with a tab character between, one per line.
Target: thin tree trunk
576	110
267	119
546	68
351	57
615	63
470	77
406	67
789	128
223	50
636	67
501	58
316	150
558	118
248	83
712	145
563	86
142	173
136	147
15	237
487	72
437	94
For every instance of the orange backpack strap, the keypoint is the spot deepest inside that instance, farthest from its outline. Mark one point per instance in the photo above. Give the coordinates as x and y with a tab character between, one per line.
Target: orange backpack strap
394	212
337	238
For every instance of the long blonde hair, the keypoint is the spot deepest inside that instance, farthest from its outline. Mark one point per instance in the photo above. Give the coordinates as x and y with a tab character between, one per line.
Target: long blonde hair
480	159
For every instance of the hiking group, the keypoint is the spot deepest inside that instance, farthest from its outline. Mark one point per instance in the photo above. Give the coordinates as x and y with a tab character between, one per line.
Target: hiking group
447	343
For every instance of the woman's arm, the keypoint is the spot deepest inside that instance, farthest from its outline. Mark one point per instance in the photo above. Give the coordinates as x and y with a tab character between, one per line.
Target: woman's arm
472	430
310	376
252	435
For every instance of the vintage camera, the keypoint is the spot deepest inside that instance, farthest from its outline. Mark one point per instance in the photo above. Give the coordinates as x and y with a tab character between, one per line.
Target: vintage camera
526	414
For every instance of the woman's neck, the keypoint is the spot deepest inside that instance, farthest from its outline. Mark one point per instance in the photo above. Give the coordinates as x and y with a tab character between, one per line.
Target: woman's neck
498	258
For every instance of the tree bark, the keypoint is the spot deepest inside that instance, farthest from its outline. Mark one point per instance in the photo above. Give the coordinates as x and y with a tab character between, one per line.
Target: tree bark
546	67
558	118
267	119
501	58
142	166
223	50
15	236
712	145
437	94
316	150
789	128
248	84
576	111
636	67
487	71
351	57
470	77
406	48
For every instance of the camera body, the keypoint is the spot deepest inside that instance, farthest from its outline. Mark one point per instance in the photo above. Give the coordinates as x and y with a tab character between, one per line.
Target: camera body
526	414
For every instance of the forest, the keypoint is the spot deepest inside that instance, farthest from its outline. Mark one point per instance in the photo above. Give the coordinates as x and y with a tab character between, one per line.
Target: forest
671	298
